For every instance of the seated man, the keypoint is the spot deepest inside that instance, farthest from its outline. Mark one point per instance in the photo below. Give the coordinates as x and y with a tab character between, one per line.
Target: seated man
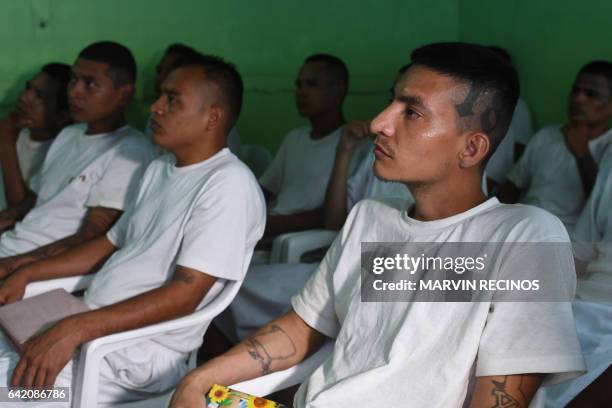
296	179
191	228
27	133
88	172
559	166
593	305
173	54
450	110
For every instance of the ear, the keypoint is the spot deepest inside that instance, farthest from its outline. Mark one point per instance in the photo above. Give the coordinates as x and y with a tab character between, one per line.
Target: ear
126	94
215	118
477	146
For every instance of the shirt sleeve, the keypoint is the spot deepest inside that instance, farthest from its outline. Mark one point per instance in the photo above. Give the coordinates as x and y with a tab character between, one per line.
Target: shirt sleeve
272	178
315	304
216	233
528	336
121	179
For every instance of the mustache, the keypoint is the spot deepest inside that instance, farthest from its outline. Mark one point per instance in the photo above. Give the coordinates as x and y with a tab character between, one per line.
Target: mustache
384	145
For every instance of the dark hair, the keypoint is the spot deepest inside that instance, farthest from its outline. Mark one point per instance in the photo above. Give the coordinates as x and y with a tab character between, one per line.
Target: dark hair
180	49
60	73
336	68
603	68
121	62
502	52
493	85
221	73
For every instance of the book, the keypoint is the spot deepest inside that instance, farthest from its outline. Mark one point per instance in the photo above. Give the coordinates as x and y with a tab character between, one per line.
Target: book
223	397
23	320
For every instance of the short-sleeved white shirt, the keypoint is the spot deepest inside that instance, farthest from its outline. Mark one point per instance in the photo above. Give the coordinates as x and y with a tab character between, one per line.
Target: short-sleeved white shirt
548	173
423	354
300	171
206	216
593	237
79	171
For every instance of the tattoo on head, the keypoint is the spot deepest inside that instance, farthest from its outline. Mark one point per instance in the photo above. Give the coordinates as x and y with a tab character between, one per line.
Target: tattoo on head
182	274
258	352
481	109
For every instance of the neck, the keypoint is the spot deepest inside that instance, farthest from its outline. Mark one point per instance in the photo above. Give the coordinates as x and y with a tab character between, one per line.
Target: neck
325	123
448	198
207	147
106	125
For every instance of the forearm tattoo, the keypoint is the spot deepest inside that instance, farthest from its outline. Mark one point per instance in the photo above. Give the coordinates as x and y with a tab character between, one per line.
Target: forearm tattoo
258	351
503	398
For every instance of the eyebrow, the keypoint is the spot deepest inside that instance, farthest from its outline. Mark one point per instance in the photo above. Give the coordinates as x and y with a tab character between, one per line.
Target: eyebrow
411	100
171	92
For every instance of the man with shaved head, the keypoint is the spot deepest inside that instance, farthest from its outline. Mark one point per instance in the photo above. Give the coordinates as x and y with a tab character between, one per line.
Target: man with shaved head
296	180
559	167
450	109
191	228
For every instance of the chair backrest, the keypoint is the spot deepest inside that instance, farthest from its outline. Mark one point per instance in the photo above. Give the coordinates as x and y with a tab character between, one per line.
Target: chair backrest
257	157
86	384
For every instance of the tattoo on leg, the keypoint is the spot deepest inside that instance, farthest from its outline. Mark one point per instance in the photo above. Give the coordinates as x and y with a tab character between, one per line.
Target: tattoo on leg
258	352
503	399
182	274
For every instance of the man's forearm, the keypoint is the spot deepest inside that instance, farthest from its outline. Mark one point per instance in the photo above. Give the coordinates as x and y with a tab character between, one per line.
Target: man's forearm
279	345
15	213
279	224
15	188
335	196
587	167
82	259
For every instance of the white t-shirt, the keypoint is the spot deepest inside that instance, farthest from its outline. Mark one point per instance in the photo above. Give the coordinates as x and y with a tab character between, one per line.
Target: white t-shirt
207	216
520	131
549	176
79	171
30	154
593	238
422	354
300	171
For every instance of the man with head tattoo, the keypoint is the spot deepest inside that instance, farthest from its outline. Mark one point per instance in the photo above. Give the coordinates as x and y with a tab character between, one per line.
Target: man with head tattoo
191	228
559	166
450	110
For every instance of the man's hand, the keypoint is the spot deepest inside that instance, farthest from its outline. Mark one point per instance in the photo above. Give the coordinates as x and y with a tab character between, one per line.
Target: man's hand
353	133
9	128
13	288
190	392
45	356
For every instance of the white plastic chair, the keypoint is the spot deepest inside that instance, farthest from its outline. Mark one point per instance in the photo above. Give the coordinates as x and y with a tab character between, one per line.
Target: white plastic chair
280	380
289	248
257	157
85	394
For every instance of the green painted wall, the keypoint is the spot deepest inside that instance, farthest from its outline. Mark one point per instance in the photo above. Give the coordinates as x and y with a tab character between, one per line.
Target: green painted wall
549	41
267	39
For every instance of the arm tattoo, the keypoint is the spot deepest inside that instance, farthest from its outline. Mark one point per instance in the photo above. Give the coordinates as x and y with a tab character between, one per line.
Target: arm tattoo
258	352
182	274
503	399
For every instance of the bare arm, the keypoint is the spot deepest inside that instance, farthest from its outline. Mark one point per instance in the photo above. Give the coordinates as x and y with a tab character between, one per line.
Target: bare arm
353	133
279	345
80	260
46	355
280	224
10	216
505	391
97	222
15	187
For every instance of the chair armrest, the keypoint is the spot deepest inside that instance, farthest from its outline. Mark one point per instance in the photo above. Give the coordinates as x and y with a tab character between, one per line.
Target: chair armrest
280	380
289	248
70	284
